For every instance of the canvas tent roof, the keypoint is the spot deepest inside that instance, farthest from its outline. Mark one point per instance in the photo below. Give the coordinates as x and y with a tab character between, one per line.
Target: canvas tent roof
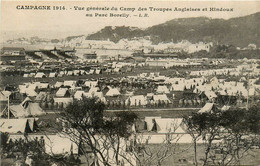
162	89
41	85
26	100
34	109
178	87
93	90
162	97
4	96
41	96
65	101
30	92
58	84
90	83
32	123
210	94
169	125
52	75
150	122
70	83
113	92
61	92
18	111
78	94
207	108
26	108
14	125
136	100
39	75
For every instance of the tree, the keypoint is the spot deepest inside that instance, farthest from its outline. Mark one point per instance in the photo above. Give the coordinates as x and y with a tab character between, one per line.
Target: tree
116	129
227	135
148	153
195	129
3	140
85	124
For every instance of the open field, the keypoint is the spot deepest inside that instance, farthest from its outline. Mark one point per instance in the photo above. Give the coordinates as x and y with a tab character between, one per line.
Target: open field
183	156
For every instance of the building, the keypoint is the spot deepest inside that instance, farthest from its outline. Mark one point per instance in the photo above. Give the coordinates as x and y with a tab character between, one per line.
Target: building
12	54
199	47
13	51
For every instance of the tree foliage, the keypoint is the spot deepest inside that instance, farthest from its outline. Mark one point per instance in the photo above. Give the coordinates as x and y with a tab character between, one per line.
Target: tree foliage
85	124
233	132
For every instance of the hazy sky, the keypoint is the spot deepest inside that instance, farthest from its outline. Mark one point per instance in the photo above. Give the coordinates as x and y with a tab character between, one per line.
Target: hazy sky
59	24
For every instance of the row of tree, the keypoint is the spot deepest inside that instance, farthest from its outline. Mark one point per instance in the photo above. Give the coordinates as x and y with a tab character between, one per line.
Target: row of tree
226	136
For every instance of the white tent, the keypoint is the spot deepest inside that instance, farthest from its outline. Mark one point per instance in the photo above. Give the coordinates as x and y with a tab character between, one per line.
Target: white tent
70	83
137	100
78	94
26	108
93	90
14	125
162	97
113	92
162	89
42	85
91	83
18	111
34	109
76	72
61	74
58	84
32	74
150	122
169	125
98	71
178	87
207	108
25	75
61	92
52	75
3	96
210	94
41	96
70	73
64	101
30	92
91	71
40	75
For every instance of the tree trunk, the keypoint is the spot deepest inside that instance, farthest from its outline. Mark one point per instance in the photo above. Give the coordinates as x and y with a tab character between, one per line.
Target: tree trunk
195	152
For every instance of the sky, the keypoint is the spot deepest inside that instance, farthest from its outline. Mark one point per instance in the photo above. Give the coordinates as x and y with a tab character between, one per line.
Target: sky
62	23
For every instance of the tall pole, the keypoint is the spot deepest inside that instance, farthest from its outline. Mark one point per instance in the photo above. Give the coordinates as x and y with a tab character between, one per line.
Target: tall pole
247	100
8	107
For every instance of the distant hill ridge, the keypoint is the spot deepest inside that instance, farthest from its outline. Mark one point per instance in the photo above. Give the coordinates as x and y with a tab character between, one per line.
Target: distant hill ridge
239	31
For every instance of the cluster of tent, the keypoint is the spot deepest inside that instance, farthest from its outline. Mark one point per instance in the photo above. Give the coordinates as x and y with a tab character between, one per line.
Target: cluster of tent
160	125
27	108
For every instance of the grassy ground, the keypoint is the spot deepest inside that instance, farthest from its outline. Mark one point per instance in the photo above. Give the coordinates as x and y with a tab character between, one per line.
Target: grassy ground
183	156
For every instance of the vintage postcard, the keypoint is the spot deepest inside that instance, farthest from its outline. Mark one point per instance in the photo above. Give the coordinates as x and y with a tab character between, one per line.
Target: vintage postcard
129	83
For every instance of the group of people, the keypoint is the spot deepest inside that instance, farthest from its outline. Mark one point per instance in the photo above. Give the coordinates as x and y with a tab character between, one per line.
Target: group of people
25	146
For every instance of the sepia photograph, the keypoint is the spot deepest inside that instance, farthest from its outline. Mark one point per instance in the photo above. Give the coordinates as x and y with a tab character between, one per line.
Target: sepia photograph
129	83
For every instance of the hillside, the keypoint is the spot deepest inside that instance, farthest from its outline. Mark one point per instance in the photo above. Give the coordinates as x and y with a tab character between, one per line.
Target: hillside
238	31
